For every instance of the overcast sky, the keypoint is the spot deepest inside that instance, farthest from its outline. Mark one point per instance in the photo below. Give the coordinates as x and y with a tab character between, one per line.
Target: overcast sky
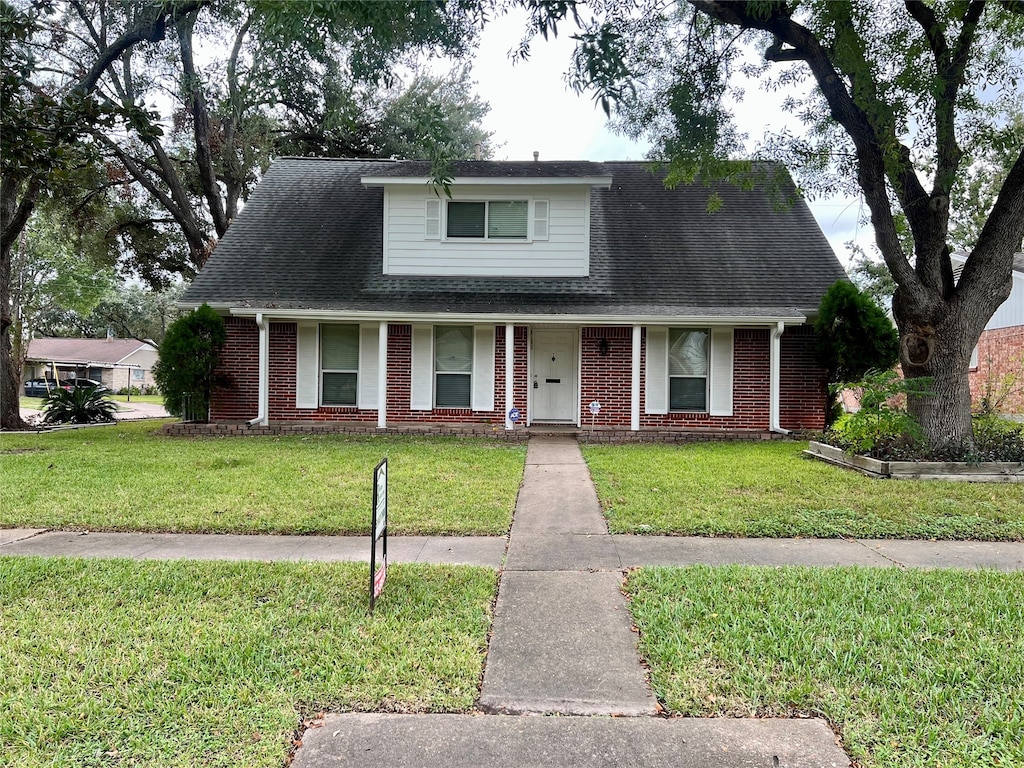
532	109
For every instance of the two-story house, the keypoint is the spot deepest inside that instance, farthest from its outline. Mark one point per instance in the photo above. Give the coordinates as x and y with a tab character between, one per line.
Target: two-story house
535	293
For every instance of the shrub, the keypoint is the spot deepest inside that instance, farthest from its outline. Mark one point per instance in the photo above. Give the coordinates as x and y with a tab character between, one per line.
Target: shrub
854	337
81	405
882	427
187	362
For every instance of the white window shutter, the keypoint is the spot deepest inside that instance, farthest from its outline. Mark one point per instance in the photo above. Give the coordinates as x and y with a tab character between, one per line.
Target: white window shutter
721	372
421	397
368	355
483	368
540	219
432	219
307	366
656	380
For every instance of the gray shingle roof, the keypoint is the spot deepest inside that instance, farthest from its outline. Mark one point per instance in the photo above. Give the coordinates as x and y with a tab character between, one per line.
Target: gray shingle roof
310	237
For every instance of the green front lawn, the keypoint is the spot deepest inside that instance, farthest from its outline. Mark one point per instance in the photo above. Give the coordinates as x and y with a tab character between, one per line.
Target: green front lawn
128	477
770	489
215	664
915	669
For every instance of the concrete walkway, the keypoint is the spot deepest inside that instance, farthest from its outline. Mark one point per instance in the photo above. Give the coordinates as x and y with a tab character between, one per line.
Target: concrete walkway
561	642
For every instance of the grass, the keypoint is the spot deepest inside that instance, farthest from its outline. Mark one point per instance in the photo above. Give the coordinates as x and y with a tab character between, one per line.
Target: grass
916	669
769	489
128	477
152	399
181	664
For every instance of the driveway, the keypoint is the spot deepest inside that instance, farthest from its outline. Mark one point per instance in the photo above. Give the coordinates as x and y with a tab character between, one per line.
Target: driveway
132	411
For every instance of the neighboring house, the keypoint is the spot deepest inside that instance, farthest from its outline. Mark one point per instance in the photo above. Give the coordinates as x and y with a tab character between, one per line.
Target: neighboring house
353	292
114	362
997	363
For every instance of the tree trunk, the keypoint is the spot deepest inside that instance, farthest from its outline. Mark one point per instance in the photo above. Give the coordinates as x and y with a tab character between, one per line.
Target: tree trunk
17	201
936	345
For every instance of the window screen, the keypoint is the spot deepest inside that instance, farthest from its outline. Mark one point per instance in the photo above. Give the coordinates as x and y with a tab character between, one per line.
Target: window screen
453	365
339	364
688	369
466	219
493	219
506	219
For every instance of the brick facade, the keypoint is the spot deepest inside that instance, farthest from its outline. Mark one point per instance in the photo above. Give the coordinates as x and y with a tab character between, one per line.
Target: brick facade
236	398
606	377
803	384
999	377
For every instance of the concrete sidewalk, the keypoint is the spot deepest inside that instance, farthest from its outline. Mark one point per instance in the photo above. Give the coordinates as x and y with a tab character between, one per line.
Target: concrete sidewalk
528	551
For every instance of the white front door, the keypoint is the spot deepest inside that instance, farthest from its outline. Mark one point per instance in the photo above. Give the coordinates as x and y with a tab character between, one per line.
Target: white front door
555	364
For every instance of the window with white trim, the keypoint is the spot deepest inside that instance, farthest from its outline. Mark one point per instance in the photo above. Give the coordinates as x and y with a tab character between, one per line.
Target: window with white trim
487	219
688	365
339	364
453	366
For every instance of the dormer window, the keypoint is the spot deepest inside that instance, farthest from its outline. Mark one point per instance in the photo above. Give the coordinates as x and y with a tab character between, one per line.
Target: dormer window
487	219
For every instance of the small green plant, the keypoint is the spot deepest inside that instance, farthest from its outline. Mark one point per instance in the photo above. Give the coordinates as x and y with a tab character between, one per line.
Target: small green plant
882	425
80	405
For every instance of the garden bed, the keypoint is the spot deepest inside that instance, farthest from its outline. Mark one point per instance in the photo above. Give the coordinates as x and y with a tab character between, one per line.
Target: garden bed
981	472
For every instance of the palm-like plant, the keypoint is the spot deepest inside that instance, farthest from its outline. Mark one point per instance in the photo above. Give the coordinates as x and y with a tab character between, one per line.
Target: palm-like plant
80	405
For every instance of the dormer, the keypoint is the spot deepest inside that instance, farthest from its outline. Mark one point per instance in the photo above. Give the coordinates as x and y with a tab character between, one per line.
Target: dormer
501	219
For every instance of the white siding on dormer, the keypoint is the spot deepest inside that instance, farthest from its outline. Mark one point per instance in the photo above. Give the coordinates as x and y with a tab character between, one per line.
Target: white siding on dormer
563	251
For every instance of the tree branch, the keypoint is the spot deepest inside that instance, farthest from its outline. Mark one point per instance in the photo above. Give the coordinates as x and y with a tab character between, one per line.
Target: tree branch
151	26
193	94
804	46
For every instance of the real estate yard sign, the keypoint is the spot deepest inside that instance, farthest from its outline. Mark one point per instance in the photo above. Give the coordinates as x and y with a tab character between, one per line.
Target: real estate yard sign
379	531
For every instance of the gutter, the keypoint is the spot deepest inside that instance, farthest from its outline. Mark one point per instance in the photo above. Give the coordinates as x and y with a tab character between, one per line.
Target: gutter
775	379
263	398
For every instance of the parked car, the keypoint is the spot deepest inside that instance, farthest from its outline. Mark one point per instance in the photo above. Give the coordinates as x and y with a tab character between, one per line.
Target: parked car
42	387
39	387
92	383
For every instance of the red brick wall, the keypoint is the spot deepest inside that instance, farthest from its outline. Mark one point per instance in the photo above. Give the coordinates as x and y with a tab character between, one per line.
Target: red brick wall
803	384
237	397
749	389
400	384
606	379
239	400
999	376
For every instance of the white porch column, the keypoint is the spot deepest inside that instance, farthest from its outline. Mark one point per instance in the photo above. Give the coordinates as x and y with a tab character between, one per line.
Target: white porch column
634	399
775	377
263	374
510	373
382	375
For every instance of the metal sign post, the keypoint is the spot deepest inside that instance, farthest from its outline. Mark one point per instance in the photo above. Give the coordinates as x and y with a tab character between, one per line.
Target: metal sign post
379	531
595	408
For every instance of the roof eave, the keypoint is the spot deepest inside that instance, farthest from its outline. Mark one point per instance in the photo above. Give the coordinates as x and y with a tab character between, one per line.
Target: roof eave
603	182
793	317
